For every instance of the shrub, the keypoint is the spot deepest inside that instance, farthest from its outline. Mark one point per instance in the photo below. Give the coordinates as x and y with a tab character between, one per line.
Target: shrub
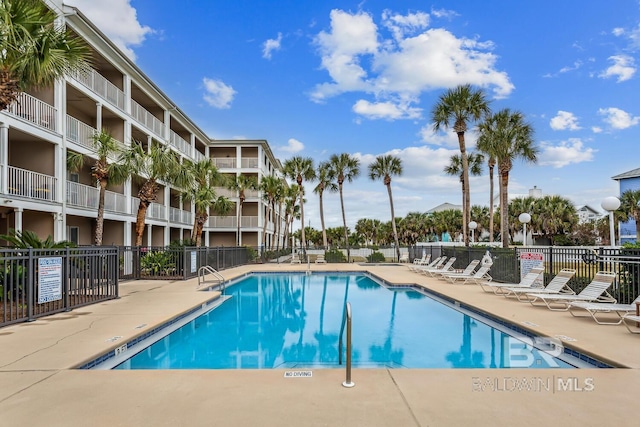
334	255
376	257
157	263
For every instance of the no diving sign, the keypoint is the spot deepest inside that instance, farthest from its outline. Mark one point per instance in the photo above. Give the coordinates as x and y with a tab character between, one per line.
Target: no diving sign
298	374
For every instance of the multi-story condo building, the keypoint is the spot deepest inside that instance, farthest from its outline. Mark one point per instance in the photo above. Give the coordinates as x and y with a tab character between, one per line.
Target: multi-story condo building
39	193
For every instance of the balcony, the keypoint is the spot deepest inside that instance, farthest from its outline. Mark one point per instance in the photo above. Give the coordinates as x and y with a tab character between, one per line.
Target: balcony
80	133
179	216
225	192
147	119
225	162
197	156
154	211
179	143
249	162
101	86
85	196
31	184
232	221
35	111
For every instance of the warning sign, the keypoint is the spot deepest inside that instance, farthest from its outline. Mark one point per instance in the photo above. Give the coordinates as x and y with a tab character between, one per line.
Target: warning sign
528	260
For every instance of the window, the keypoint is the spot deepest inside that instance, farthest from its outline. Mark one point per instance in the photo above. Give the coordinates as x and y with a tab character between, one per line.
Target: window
73	235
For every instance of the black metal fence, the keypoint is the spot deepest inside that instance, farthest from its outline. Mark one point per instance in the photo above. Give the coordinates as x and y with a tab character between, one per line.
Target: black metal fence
585	260
40	282
179	262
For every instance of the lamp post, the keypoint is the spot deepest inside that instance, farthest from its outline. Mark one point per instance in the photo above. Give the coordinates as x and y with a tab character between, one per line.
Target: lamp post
524	218
611	204
472	226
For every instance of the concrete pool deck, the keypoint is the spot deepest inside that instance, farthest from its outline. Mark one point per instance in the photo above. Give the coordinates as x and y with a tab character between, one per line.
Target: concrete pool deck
39	387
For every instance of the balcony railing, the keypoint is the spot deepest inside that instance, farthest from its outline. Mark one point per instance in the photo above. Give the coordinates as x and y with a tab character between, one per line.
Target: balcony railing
80	133
251	193
31	184
197	156
35	111
179	216
81	195
225	192
147	119
178	142
115	202
101	86
232	221
249	162
225	162
154	211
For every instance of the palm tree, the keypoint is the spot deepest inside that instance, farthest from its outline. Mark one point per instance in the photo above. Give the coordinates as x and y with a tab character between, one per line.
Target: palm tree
269	185
556	216
629	207
325	182
241	184
300	169
385	167
201	192
456	108
291	210
512	138
34	50
102	171
485	145
280	198
343	167
455	168
159	163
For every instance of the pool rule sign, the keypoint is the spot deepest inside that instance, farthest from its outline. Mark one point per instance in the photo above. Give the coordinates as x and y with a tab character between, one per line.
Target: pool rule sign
528	260
49	279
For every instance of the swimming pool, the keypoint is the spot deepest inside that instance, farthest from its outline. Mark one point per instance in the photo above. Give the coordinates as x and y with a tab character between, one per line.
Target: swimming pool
294	321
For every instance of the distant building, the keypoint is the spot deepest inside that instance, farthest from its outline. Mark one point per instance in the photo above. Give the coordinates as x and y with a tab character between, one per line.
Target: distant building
534	192
587	214
628	181
445	207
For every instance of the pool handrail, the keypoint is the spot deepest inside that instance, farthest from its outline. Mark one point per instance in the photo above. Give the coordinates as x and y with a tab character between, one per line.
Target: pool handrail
206	269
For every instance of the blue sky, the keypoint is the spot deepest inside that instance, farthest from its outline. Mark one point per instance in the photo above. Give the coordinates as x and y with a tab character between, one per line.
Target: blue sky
325	77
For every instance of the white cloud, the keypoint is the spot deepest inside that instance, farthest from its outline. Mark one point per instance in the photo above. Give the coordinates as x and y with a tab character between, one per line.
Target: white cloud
385	110
218	94
118	20
564	120
618	31
568	152
270	45
623	68
596	129
359	59
293	146
447	138
617	118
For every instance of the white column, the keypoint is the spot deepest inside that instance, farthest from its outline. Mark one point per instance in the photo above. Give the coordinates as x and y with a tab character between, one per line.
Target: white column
126	86
17	211
149	236
4	156
99	116
192	142
167	235
60	173
58	227
167	124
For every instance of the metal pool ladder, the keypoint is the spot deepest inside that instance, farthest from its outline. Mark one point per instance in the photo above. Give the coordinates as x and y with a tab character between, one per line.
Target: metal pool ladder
217	277
346	320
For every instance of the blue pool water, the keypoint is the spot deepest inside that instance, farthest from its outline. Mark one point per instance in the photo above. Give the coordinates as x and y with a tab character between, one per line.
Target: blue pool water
294	321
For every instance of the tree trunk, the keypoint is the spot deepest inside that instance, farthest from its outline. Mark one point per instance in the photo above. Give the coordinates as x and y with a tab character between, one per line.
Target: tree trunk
466	217
504	208
142	213
324	230
490	203
264	227
239	220
100	216
344	223
302	233
393	221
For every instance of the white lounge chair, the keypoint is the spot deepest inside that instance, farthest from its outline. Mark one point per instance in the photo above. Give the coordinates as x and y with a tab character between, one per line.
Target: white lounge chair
594	308
529	281
417	267
557	285
481	274
469	269
295	259
448	266
320	259
426	259
632	318
595	291
404	257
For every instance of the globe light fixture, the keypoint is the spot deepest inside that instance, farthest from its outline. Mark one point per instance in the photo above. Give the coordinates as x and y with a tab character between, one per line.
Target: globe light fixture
610	204
472	226
524	218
